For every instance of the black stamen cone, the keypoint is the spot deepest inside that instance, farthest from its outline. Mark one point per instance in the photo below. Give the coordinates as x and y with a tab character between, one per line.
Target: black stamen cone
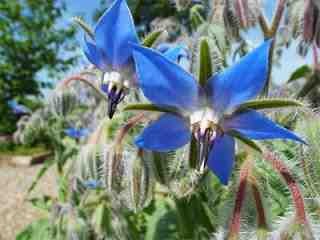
204	147
115	98
112	107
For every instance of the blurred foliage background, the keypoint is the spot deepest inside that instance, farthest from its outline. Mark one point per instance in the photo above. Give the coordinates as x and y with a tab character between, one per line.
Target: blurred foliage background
31	44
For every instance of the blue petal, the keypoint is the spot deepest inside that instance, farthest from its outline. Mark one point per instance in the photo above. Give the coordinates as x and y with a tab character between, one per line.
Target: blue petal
163	47
83	132
256	126
94	55
71	132
221	158
241	82
175	53
164	82
113	33
168	133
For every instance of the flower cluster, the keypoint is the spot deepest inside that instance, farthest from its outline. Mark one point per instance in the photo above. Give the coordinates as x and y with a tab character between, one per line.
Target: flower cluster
209	113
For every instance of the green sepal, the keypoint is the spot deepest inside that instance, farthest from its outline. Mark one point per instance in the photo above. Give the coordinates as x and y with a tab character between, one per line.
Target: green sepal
84	26
301	72
151	38
148	107
205	64
195	16
269	103
246	141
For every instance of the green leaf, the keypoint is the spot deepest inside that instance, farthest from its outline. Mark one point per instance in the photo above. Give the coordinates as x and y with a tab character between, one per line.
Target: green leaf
47	164
148	107
43	203
102	219
246	141
300	72
270	103
162	223
205	68
35	231
191	208
151	38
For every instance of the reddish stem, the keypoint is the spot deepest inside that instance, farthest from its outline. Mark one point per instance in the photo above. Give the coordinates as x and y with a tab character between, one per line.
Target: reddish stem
282	169
79	77
261	218
241	13
126	128
240	197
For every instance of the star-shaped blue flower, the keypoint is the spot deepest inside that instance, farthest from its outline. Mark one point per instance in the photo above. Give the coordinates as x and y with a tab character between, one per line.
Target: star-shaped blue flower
111	52
208	112
77	133
17	108
92	184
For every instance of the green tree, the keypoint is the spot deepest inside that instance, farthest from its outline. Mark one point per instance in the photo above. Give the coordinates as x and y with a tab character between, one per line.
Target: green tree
30	42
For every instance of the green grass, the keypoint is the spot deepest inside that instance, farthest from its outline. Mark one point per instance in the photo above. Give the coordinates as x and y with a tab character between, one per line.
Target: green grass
13	149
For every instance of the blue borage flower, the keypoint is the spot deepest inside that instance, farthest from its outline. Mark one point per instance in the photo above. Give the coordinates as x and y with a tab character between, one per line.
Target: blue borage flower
111	51
208	112
77	133
92	184
17	108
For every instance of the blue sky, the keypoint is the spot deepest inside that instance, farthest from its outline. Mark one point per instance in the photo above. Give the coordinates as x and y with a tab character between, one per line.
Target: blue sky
289	62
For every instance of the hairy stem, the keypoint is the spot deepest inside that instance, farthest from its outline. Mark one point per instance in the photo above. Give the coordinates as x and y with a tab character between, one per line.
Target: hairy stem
126	128
297	198
234	228
86	81
261	218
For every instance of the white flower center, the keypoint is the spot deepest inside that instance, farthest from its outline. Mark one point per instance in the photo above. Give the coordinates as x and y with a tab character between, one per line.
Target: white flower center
203	120
114	79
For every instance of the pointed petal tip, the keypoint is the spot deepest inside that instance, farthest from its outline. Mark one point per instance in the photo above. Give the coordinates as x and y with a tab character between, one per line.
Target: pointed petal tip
224	90
221	158
113	32
257	126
